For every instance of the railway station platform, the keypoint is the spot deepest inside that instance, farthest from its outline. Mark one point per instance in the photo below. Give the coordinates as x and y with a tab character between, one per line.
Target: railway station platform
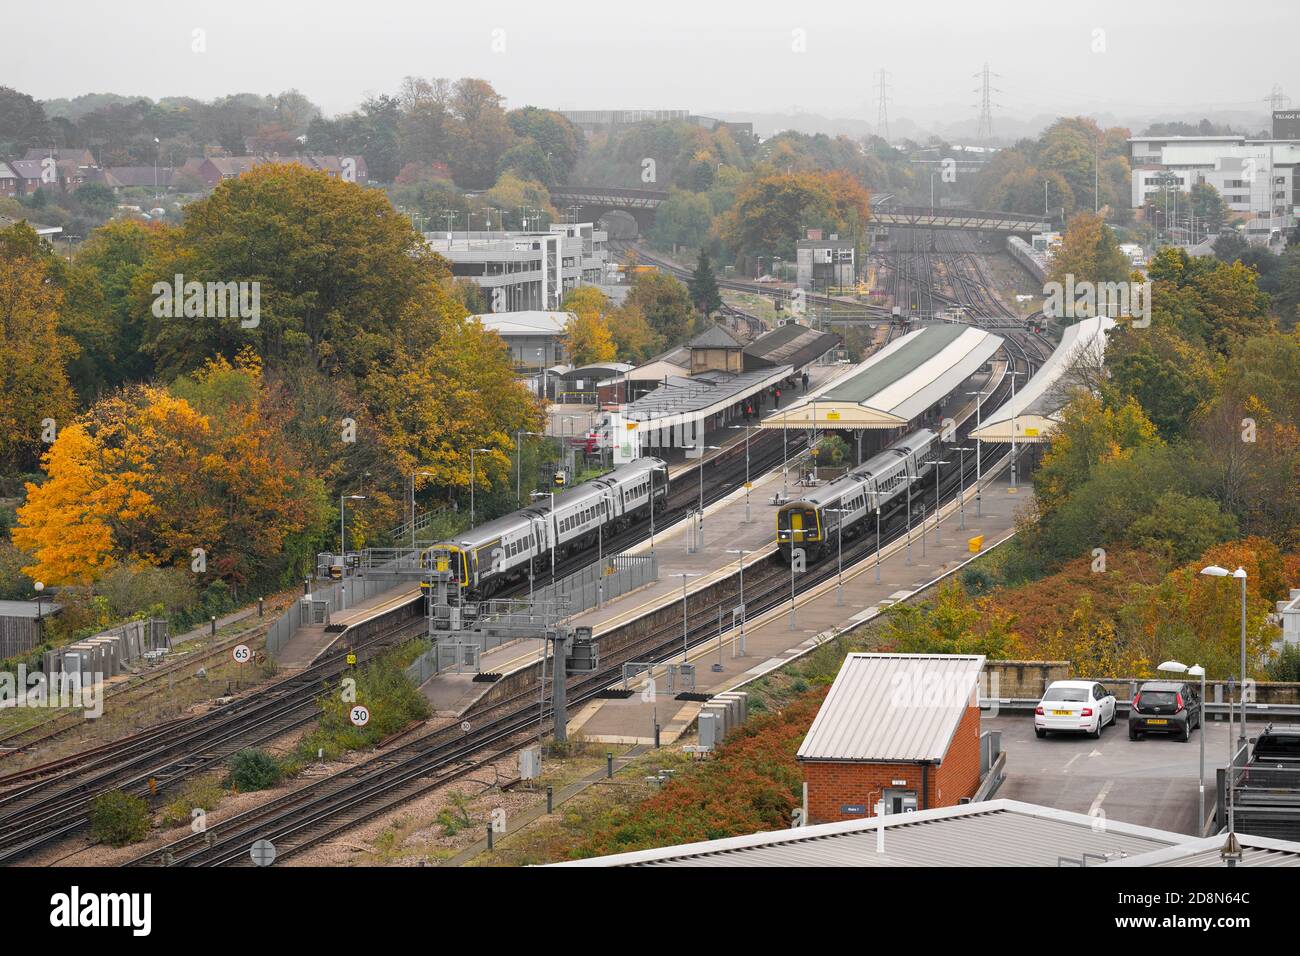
770	640
313	640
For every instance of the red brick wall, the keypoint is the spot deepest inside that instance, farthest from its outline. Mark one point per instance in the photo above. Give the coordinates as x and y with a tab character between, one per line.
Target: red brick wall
832	785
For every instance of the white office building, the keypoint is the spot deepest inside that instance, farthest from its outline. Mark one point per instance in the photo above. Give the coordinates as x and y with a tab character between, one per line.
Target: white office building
525	271
1255	178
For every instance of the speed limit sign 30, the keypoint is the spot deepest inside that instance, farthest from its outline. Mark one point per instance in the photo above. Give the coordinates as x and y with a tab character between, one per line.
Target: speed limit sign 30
359	715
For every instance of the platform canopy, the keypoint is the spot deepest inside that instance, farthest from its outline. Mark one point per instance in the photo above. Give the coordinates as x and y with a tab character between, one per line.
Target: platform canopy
896	384
1033	414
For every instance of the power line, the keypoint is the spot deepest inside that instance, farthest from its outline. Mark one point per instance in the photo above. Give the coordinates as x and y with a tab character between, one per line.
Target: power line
986	102
1276	99
882	110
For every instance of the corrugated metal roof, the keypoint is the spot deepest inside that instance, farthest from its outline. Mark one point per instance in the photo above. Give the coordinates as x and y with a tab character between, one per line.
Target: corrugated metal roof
992	833
791	344
1044	395
887	707
1207	852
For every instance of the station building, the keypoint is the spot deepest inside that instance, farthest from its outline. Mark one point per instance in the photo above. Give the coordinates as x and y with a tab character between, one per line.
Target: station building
716	379
897	733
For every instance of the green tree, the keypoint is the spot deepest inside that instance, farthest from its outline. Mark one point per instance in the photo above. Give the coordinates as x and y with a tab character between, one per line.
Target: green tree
118	818
703	286
664	302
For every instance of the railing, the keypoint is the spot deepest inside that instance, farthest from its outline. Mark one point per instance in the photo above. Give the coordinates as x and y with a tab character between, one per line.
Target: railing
612	577
422	521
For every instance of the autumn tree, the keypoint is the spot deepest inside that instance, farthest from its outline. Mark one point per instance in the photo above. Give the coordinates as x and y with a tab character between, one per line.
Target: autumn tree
1089	252
36	397
773	210
664	302
146	477
587	338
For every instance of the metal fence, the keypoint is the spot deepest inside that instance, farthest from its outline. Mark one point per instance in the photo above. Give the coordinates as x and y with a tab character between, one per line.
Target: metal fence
1261	799
328	598
610	578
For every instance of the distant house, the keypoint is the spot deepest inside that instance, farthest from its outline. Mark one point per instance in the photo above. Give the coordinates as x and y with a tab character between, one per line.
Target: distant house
215	169
30	176
118	178
74	155
8	180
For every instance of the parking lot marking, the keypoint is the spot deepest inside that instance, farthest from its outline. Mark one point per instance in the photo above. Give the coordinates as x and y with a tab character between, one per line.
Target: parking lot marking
1066	768
1101	795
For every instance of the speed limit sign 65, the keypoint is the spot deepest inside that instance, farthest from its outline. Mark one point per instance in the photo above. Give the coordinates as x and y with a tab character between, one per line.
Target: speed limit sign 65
242	654
359	715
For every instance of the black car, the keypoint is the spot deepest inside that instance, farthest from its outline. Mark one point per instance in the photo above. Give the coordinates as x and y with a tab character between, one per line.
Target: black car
1278	746
1165	707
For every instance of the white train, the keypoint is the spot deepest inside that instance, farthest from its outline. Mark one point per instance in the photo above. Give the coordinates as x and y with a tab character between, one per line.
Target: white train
813	521
490	556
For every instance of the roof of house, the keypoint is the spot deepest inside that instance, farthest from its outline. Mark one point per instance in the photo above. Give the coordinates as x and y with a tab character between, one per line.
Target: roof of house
119	176
28	609
991	833
893	708
790	344
27	168
715	337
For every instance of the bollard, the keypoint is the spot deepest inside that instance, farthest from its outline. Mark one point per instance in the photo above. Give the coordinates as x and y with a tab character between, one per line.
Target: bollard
609	764
489	836
550	798
214	625
261	607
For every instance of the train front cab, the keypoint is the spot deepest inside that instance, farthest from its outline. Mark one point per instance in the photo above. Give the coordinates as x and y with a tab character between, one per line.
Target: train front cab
446	557
798	525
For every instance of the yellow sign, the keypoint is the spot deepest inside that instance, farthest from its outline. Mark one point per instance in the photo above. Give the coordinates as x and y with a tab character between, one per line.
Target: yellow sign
749	485
631	426
832	416
352	660
975	544
442	564
1031	432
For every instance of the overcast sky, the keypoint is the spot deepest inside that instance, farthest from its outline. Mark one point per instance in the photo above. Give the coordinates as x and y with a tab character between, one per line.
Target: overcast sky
1126	57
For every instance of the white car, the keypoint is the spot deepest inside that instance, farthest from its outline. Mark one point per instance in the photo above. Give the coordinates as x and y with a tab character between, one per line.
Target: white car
1076	706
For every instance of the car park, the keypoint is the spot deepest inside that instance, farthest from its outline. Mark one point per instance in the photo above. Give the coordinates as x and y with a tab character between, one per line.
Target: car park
1074	706
1165	707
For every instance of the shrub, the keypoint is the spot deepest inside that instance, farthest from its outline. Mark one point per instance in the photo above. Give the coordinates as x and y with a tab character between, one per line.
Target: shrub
118	818
199	795
254	770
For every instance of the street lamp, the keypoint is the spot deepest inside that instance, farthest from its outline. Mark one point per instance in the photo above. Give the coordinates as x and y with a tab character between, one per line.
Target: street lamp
1215	571
40	620
744	613
747	482
472	452
1196	670
414	475
979	446
343	548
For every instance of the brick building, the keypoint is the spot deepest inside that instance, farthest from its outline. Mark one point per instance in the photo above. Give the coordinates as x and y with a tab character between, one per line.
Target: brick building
902	730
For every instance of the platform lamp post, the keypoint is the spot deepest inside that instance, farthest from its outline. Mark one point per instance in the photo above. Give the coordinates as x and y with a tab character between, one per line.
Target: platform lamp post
472	453
744	613
979	447
747	482
961	474
877	539
700	469
1215	571
685	636
554	533
415	475
1196	670
343	547
1014	376
839	546
938	536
